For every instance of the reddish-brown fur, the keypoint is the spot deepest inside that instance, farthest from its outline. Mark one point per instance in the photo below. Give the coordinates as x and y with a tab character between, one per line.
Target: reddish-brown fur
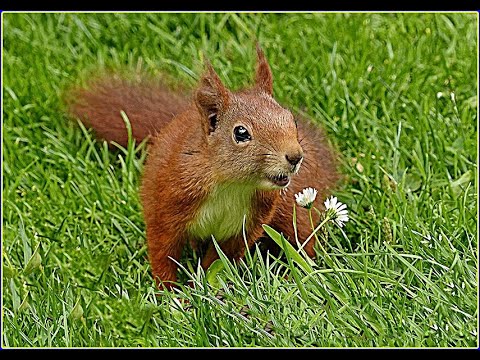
184	166
148	105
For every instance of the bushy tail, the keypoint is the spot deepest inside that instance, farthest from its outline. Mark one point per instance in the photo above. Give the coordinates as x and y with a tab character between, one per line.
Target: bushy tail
148	105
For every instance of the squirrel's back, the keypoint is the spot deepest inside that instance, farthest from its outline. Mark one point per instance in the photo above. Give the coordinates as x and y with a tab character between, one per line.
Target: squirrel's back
149	106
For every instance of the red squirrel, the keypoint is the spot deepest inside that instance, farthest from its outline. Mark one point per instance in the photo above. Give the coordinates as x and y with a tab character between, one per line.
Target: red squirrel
218	164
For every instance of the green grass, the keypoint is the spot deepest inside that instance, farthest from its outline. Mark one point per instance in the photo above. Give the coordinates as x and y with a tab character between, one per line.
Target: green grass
404	271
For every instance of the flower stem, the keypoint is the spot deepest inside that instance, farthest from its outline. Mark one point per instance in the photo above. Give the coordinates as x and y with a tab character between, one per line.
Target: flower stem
301	246
311	221
314	233
327	218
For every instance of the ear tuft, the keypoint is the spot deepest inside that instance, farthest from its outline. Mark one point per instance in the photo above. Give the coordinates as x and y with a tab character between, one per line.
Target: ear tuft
263	78
211	97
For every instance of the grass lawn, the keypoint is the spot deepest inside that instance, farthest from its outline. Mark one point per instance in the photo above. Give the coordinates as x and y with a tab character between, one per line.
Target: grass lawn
397	95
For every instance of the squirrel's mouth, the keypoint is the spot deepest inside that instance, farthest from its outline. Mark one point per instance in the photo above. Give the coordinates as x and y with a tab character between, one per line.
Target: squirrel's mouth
279	180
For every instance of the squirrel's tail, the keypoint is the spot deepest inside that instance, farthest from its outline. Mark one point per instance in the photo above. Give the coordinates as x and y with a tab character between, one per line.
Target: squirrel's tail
148	105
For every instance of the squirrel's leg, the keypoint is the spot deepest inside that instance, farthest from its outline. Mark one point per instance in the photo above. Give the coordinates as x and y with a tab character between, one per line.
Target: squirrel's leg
164	250
234	248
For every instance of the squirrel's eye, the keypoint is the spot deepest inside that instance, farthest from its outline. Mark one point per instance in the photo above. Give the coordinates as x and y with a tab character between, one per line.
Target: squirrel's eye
241	134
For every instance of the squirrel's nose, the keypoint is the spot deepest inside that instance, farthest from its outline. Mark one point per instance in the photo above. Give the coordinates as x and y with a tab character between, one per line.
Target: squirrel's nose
294	159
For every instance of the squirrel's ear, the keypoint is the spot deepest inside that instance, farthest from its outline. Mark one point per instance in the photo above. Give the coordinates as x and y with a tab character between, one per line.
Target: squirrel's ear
211	96
263	78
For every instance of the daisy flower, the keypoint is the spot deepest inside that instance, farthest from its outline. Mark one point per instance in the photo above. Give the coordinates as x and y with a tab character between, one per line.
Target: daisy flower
306	197
336	211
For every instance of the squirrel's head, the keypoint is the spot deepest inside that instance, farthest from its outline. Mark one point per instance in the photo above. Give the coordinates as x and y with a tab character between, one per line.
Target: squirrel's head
251	138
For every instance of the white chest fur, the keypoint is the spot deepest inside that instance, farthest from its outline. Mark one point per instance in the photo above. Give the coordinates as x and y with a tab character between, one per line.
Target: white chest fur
223	212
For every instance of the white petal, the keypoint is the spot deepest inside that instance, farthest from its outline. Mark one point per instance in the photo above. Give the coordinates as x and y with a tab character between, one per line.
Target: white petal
327	203
333	202
306	197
